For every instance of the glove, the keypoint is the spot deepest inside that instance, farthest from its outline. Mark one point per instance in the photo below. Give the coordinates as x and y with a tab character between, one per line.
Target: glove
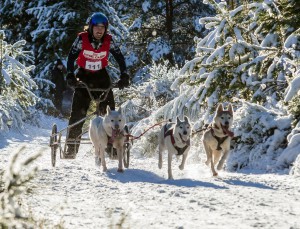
124	81
71	80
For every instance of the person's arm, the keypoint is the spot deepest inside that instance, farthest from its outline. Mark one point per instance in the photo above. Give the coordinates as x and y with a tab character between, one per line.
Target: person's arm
118	56
73	54
124	77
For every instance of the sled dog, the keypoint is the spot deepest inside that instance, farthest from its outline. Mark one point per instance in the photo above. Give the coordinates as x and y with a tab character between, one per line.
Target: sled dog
109	129
216	139
175	138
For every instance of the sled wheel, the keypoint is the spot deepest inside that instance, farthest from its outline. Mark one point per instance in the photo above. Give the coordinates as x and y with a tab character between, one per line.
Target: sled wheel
53	144
126	155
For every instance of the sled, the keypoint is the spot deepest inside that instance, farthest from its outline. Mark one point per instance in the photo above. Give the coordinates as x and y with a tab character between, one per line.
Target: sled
58	145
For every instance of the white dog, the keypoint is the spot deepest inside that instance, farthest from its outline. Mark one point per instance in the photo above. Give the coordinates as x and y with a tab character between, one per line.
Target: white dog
216	139
175	138
108	129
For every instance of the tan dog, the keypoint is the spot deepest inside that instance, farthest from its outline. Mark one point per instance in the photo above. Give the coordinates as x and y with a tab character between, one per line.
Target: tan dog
102	130
216	139
175	138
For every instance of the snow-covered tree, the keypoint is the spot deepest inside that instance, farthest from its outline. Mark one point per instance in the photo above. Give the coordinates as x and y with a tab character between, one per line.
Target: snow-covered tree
246	55
161	30
150	93
292	47
15	21
16	84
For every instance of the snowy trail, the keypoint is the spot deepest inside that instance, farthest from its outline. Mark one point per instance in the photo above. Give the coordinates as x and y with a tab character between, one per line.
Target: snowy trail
75	194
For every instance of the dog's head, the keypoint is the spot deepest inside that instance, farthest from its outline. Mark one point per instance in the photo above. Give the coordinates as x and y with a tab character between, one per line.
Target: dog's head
183	129
224	118
114	119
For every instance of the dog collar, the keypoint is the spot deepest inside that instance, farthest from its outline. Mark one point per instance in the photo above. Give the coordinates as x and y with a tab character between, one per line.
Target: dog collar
226	132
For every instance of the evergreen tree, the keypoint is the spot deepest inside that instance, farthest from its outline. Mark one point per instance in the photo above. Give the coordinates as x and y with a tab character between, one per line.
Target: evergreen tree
162	29
244	56
16	83
290	18
15	21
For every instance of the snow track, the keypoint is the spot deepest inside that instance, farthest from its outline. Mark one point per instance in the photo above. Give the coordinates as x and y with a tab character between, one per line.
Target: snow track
76	194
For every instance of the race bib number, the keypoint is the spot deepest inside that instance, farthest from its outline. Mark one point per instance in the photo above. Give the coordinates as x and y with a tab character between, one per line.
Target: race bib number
93	66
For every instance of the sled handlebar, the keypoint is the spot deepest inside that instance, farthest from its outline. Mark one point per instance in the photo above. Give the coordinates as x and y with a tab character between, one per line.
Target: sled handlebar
81	84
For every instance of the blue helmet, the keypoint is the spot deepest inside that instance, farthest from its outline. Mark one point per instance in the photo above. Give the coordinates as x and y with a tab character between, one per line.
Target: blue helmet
97	18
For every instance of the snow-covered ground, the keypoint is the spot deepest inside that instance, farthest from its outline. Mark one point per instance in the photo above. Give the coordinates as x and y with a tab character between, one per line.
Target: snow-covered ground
76	194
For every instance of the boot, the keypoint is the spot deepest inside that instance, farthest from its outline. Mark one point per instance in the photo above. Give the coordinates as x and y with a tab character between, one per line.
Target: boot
71	151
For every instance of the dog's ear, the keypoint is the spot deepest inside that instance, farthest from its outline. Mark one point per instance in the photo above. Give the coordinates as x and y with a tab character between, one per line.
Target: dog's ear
220	108
230	109
177	120
186	119
120	110
108	109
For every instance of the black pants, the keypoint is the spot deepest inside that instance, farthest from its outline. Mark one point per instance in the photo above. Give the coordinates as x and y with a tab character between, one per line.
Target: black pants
81	99
58	97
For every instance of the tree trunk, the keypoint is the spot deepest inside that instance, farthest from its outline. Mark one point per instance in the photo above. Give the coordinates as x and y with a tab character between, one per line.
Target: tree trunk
169	26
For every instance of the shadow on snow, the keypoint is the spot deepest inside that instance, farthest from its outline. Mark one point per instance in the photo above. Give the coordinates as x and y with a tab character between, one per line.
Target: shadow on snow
138	175
239	182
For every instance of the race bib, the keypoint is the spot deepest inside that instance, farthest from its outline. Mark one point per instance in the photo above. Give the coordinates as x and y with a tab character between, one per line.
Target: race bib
93	66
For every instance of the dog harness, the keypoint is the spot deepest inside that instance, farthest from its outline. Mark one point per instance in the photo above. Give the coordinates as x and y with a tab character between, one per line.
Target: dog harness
93	59
220	140
115	134
169	132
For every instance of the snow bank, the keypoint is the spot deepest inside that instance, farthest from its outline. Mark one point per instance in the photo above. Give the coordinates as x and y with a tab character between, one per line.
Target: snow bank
290	156
260	139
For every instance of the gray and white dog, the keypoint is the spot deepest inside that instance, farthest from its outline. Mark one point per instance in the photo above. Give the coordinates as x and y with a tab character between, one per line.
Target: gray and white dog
109	129
175	138
216	139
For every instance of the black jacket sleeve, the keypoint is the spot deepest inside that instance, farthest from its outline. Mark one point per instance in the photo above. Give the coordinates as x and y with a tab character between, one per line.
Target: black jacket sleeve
117	54
74	53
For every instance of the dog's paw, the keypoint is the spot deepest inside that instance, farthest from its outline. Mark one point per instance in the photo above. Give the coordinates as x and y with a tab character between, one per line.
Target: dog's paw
170	178
181	167
120	170
104	169
215	174
207	162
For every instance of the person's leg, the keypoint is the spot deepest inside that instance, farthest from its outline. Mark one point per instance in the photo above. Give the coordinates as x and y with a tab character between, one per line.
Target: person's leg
110	101
104	82
58	97
80	105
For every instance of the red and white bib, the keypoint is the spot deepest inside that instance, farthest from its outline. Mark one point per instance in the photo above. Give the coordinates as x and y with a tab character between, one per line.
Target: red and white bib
90	58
